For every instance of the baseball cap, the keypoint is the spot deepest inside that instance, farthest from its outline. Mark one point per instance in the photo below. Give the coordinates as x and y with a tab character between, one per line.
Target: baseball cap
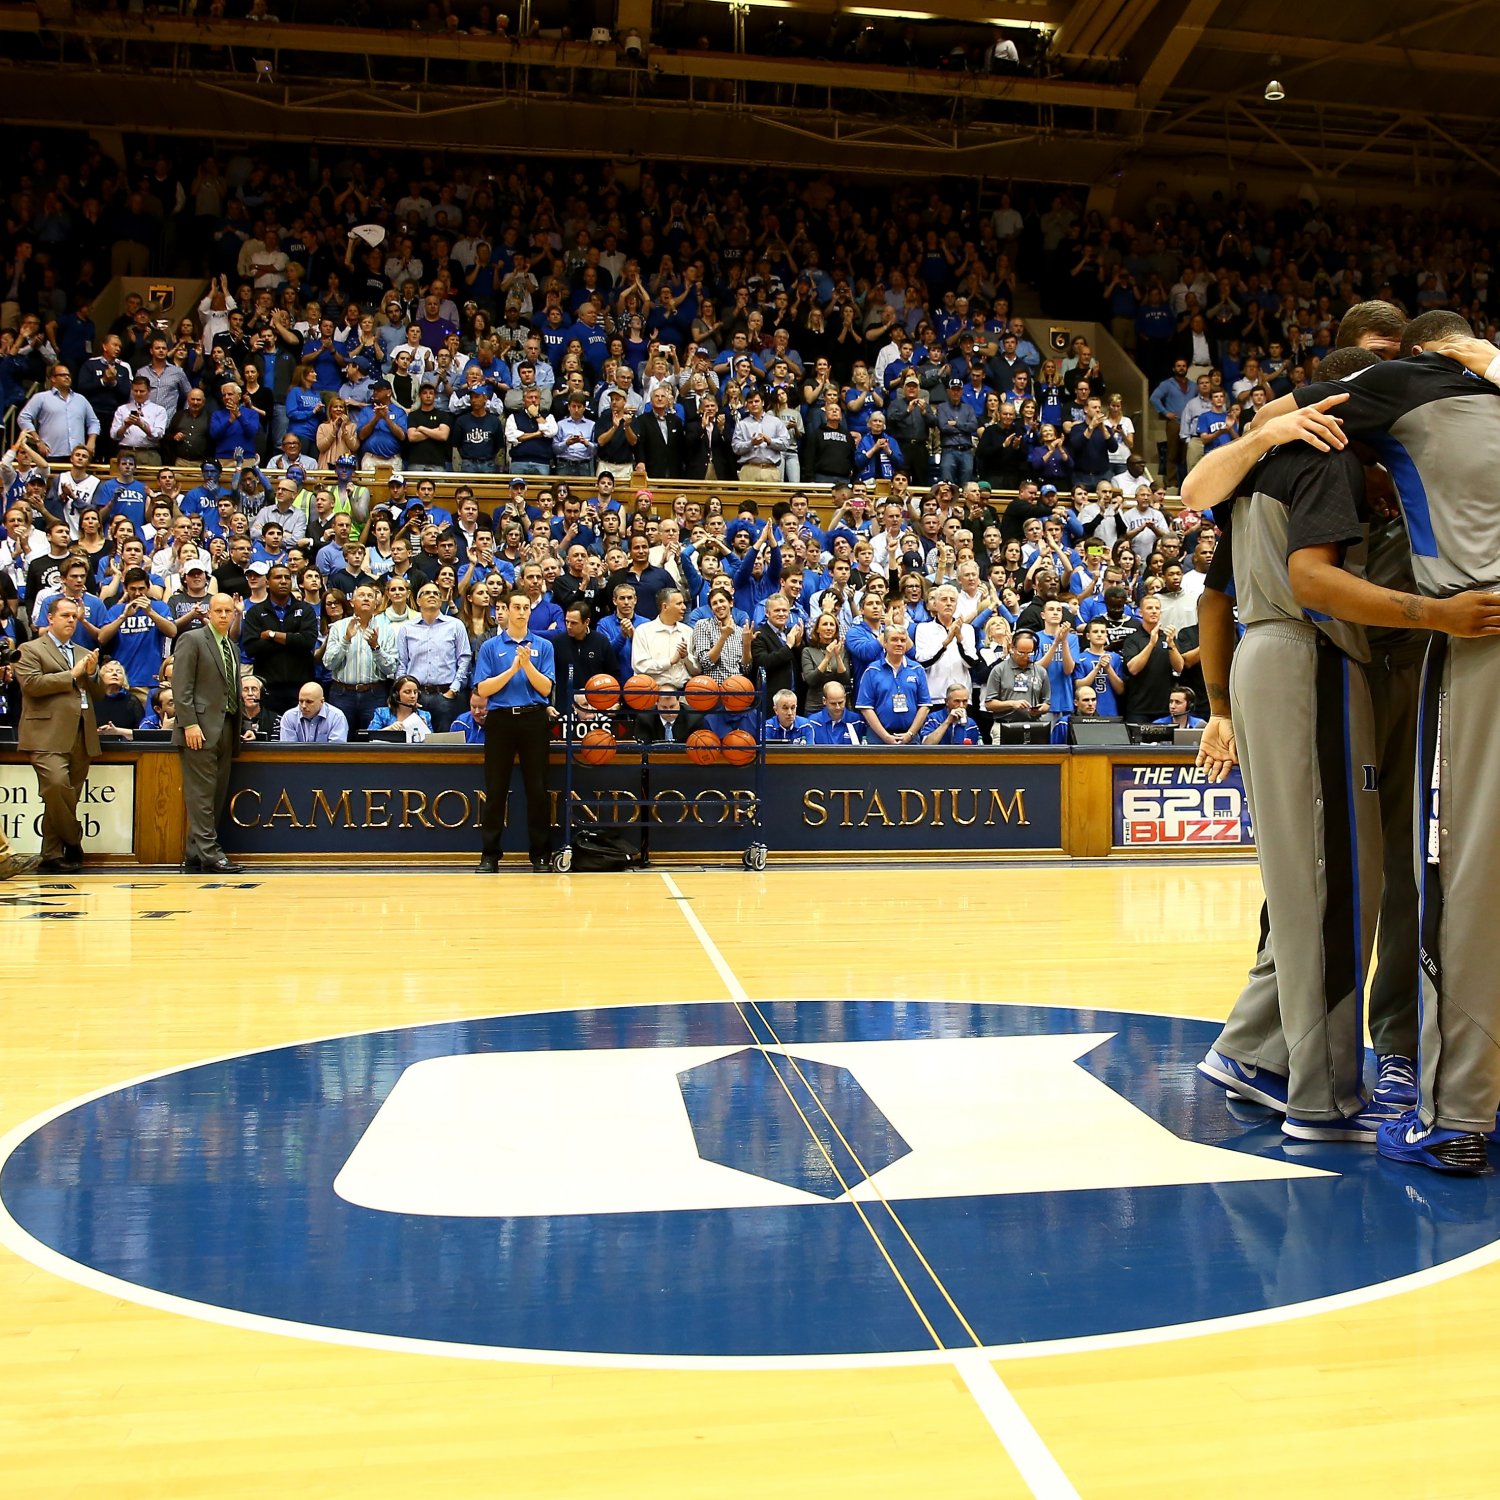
644	495
261	568
344	461
396	479
1049	489
197	565
518	483
954	381
35	478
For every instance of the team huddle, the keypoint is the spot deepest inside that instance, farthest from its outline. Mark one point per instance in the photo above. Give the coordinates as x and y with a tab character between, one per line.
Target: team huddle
1361	554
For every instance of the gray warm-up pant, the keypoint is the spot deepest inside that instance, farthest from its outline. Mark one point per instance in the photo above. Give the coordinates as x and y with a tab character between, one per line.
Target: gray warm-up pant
1305	733
1458	873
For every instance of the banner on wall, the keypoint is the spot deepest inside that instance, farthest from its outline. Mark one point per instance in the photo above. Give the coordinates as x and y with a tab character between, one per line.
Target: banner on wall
106	809
1175	806
353	803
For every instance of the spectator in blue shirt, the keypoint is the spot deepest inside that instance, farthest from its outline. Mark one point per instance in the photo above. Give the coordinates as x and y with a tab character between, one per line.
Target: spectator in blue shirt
1100	669
833	724
954	726
893	694
471	724
382	431
786	726
234	431
135	632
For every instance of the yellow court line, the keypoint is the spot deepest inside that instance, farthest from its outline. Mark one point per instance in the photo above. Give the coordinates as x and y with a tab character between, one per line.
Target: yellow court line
833	1167
739	998
874	1187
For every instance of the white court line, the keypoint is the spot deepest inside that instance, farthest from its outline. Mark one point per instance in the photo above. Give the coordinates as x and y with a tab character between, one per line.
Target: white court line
1034	1462
1031	1456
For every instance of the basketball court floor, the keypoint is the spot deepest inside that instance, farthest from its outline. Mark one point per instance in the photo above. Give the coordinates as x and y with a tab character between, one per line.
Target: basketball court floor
875	1181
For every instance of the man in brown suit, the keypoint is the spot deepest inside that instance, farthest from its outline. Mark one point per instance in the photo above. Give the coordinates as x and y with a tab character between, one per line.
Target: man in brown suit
58	681
206	692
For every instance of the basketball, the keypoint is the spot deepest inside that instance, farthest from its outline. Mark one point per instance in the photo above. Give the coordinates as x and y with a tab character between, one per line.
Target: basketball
597	748
739	694
640	692
702	694
738	746
601	691
703	747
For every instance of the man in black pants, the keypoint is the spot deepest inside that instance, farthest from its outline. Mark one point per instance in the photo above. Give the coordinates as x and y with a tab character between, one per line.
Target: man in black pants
515	672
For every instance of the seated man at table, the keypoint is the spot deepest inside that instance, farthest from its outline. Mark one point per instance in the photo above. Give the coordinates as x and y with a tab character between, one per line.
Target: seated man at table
786	726
472	723
833	724
1180	711
954	726
669	721
313	721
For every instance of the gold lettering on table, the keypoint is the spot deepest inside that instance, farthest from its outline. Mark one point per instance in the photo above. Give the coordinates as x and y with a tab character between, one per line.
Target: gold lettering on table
284	809
921	817
414	808
436	809
958	817
844	796
875	810
703	797
1015	810
377	802
671	797
814	809
937	807
234	808
339	807
743	804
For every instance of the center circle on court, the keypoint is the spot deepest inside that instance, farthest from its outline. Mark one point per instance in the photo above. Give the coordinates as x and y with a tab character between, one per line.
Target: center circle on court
782	1180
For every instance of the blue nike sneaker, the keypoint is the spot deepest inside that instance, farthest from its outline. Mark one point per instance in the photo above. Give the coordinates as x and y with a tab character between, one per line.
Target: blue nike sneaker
1256	1084
1460	1152
1395	1089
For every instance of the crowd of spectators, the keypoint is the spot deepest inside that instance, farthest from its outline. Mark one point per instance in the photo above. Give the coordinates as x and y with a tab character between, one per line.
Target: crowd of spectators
373	332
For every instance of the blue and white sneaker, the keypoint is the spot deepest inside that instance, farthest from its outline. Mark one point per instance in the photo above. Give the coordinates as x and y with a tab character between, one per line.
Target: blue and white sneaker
1256	1084
1395	1089
1460	1152
1359	1129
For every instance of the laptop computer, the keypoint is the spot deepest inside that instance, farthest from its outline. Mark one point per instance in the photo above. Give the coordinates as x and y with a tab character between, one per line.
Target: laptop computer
446	737
1188	737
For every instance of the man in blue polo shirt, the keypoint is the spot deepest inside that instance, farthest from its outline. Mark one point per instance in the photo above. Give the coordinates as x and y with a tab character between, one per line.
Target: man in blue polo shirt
786	726
514	672
833	724
893	694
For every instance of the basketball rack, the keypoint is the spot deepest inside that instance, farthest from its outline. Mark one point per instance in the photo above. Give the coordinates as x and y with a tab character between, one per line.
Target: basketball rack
659	754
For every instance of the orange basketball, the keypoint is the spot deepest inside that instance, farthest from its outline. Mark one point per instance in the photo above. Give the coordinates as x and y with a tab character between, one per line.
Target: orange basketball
702	694
739	695
738	746
703	747
601	691
640	692
597	748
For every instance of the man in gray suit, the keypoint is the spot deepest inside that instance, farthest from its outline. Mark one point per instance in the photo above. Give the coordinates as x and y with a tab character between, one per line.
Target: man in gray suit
206	690
59	679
